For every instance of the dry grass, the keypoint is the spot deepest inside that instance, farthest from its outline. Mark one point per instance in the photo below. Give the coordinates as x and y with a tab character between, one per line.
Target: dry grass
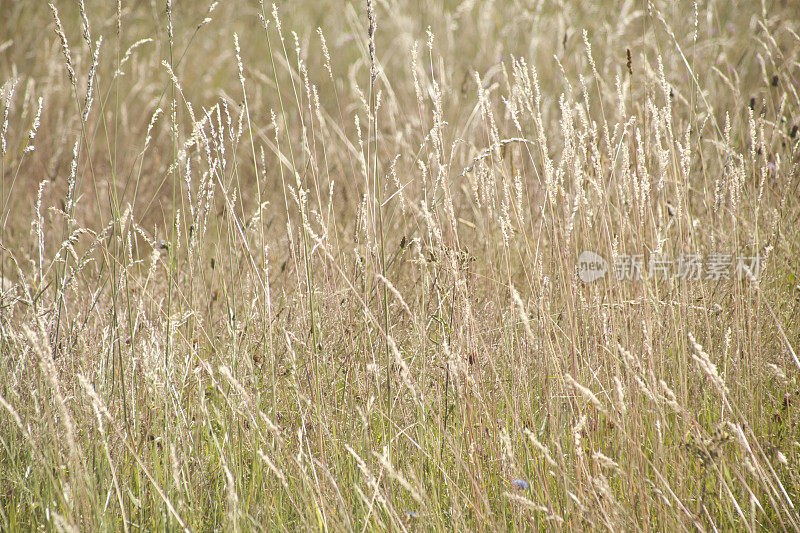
315	267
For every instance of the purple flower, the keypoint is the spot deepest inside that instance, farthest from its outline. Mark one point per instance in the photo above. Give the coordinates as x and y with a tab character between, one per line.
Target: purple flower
520	484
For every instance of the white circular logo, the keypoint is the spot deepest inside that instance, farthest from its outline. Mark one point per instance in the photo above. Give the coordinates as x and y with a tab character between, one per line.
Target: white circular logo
591	266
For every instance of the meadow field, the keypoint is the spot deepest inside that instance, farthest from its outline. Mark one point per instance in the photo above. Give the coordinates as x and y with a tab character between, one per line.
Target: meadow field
414	265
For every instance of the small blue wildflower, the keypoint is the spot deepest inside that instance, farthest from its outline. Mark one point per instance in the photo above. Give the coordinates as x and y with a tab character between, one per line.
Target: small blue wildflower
412	514
520	484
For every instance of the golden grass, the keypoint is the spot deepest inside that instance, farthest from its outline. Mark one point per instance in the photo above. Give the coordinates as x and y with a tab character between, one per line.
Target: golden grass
315	266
